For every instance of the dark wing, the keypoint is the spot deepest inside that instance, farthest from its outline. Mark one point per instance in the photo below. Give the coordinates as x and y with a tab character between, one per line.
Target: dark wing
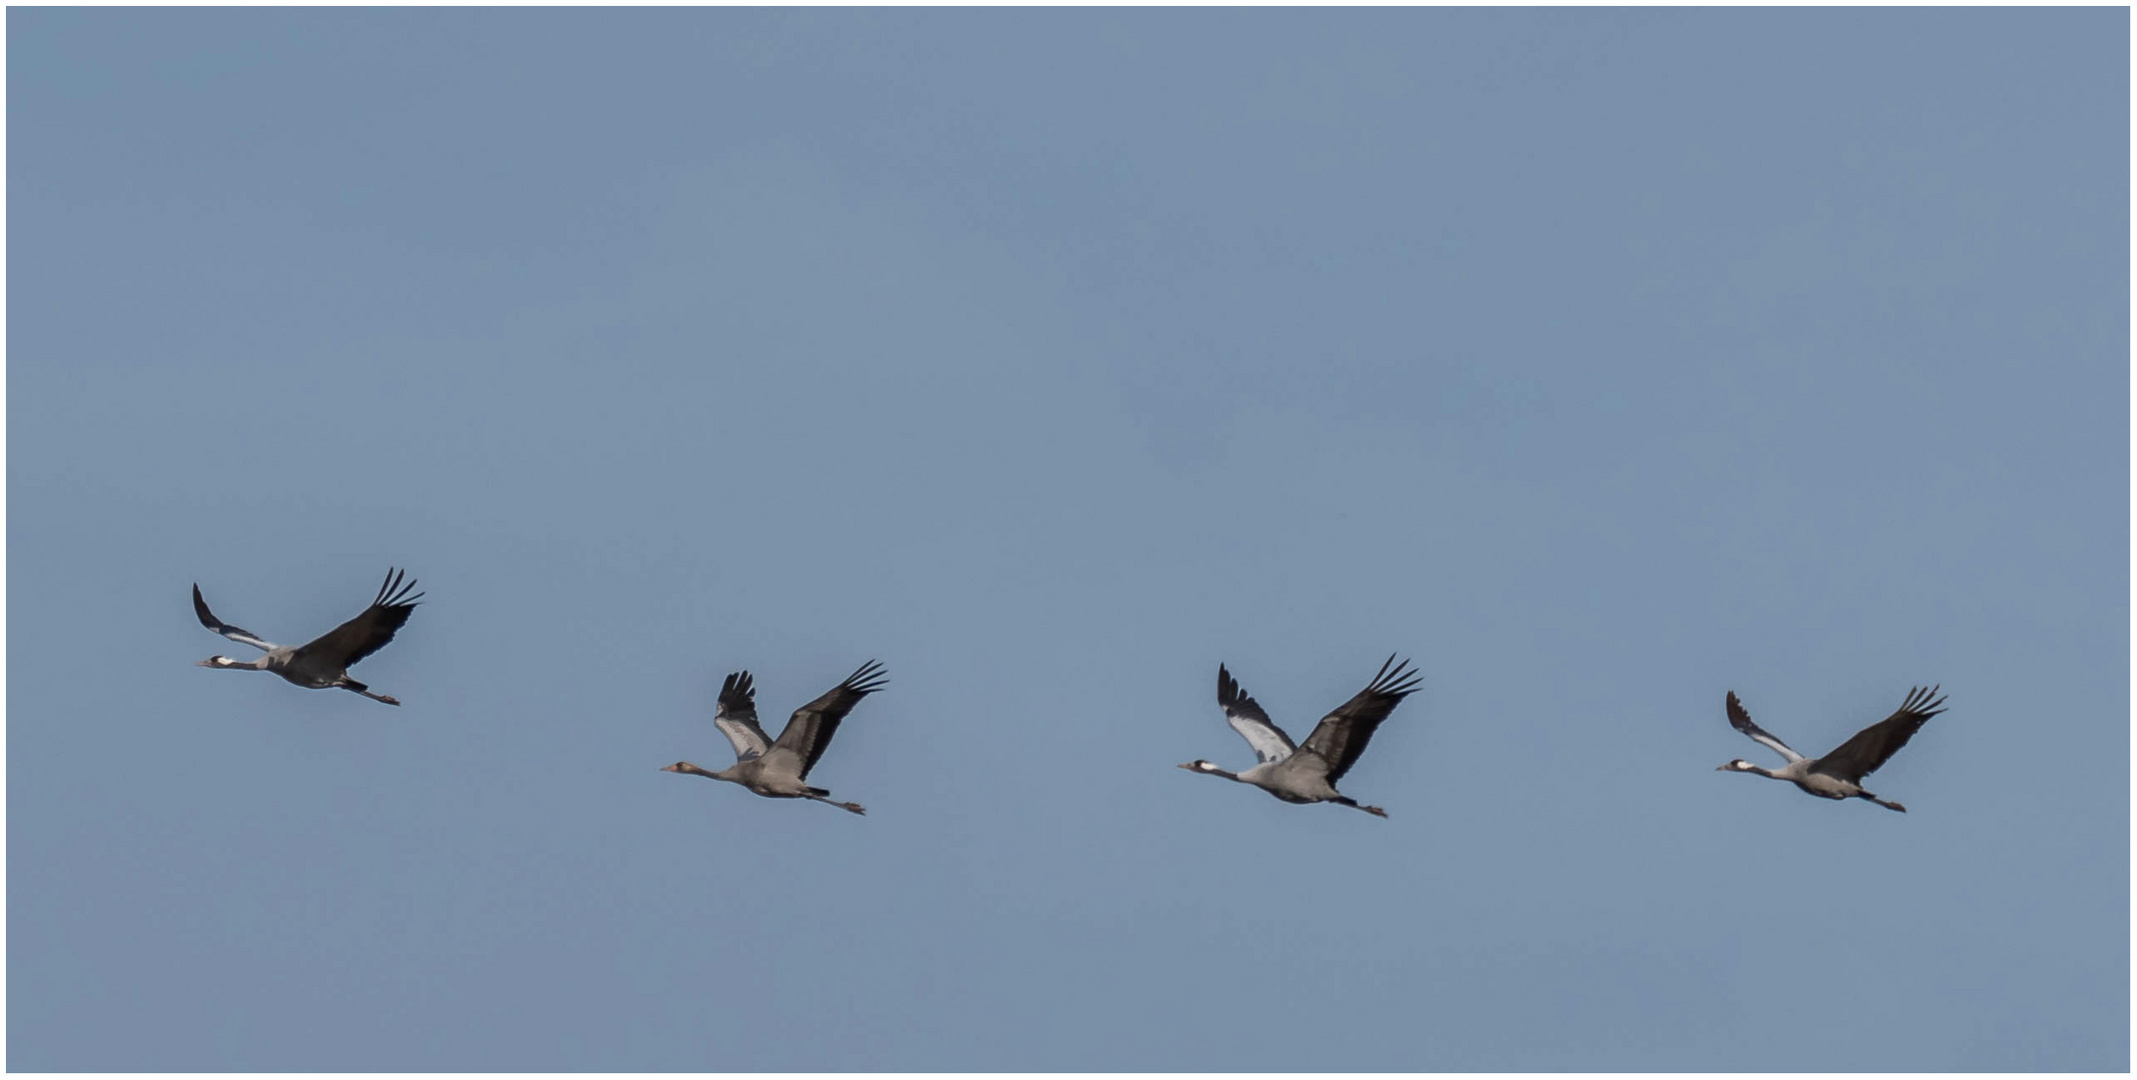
1741	721
369	632
737	717
810	729
208	619
1341	735
1872	746
1247	718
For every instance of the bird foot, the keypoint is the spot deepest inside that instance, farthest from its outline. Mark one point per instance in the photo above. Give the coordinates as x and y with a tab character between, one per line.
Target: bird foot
851	807
388	700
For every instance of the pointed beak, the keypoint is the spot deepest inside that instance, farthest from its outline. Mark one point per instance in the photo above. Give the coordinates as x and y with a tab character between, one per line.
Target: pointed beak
205	663
1721	768
669	768
1185	765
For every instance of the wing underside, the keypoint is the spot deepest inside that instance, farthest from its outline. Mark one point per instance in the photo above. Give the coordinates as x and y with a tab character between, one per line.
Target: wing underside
1341	736
1740	719
370	630
1871	747
736	717
808	732
243	637
1246	717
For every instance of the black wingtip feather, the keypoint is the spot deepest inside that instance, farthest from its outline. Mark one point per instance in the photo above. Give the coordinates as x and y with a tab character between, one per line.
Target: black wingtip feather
1918	701
1399	683
738	691
1740	717
867	679
395	593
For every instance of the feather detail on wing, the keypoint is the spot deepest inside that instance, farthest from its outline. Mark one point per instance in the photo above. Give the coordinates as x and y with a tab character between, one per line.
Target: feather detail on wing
1741	721
1342	735
736	717
1874	745
368	632
809	730
243	637
1247	718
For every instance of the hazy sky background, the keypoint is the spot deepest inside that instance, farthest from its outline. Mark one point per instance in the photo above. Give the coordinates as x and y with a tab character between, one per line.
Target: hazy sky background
1601	361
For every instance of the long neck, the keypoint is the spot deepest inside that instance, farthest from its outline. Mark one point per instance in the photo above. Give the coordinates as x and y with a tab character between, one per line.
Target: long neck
694	770
1215	771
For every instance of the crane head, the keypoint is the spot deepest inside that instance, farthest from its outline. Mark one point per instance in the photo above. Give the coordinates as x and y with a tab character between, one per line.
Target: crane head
1738	765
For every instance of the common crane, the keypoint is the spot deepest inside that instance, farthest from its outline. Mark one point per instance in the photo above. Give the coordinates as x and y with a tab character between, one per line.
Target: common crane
1308	774
778	770
323	663
1838	775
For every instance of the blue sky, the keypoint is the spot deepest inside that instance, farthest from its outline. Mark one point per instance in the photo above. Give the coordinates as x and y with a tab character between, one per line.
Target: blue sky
1600	361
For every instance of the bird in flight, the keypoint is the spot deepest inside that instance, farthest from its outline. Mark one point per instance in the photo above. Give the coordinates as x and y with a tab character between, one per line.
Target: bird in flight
323	663
779	770
1838	775
1308	773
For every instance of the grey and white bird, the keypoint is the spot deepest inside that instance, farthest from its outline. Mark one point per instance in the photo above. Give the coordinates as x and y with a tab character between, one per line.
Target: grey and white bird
323	663
1838	775
1308	773
780	770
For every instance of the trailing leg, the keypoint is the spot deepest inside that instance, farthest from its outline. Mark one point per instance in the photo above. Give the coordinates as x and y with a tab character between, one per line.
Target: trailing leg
1886	803
356	687
1354	804
849	807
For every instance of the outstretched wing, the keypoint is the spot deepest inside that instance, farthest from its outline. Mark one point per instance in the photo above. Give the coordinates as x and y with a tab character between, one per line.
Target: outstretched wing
810	729
208	619
1741	721
1874	745
1341	735
369	632
1247	718
736	717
